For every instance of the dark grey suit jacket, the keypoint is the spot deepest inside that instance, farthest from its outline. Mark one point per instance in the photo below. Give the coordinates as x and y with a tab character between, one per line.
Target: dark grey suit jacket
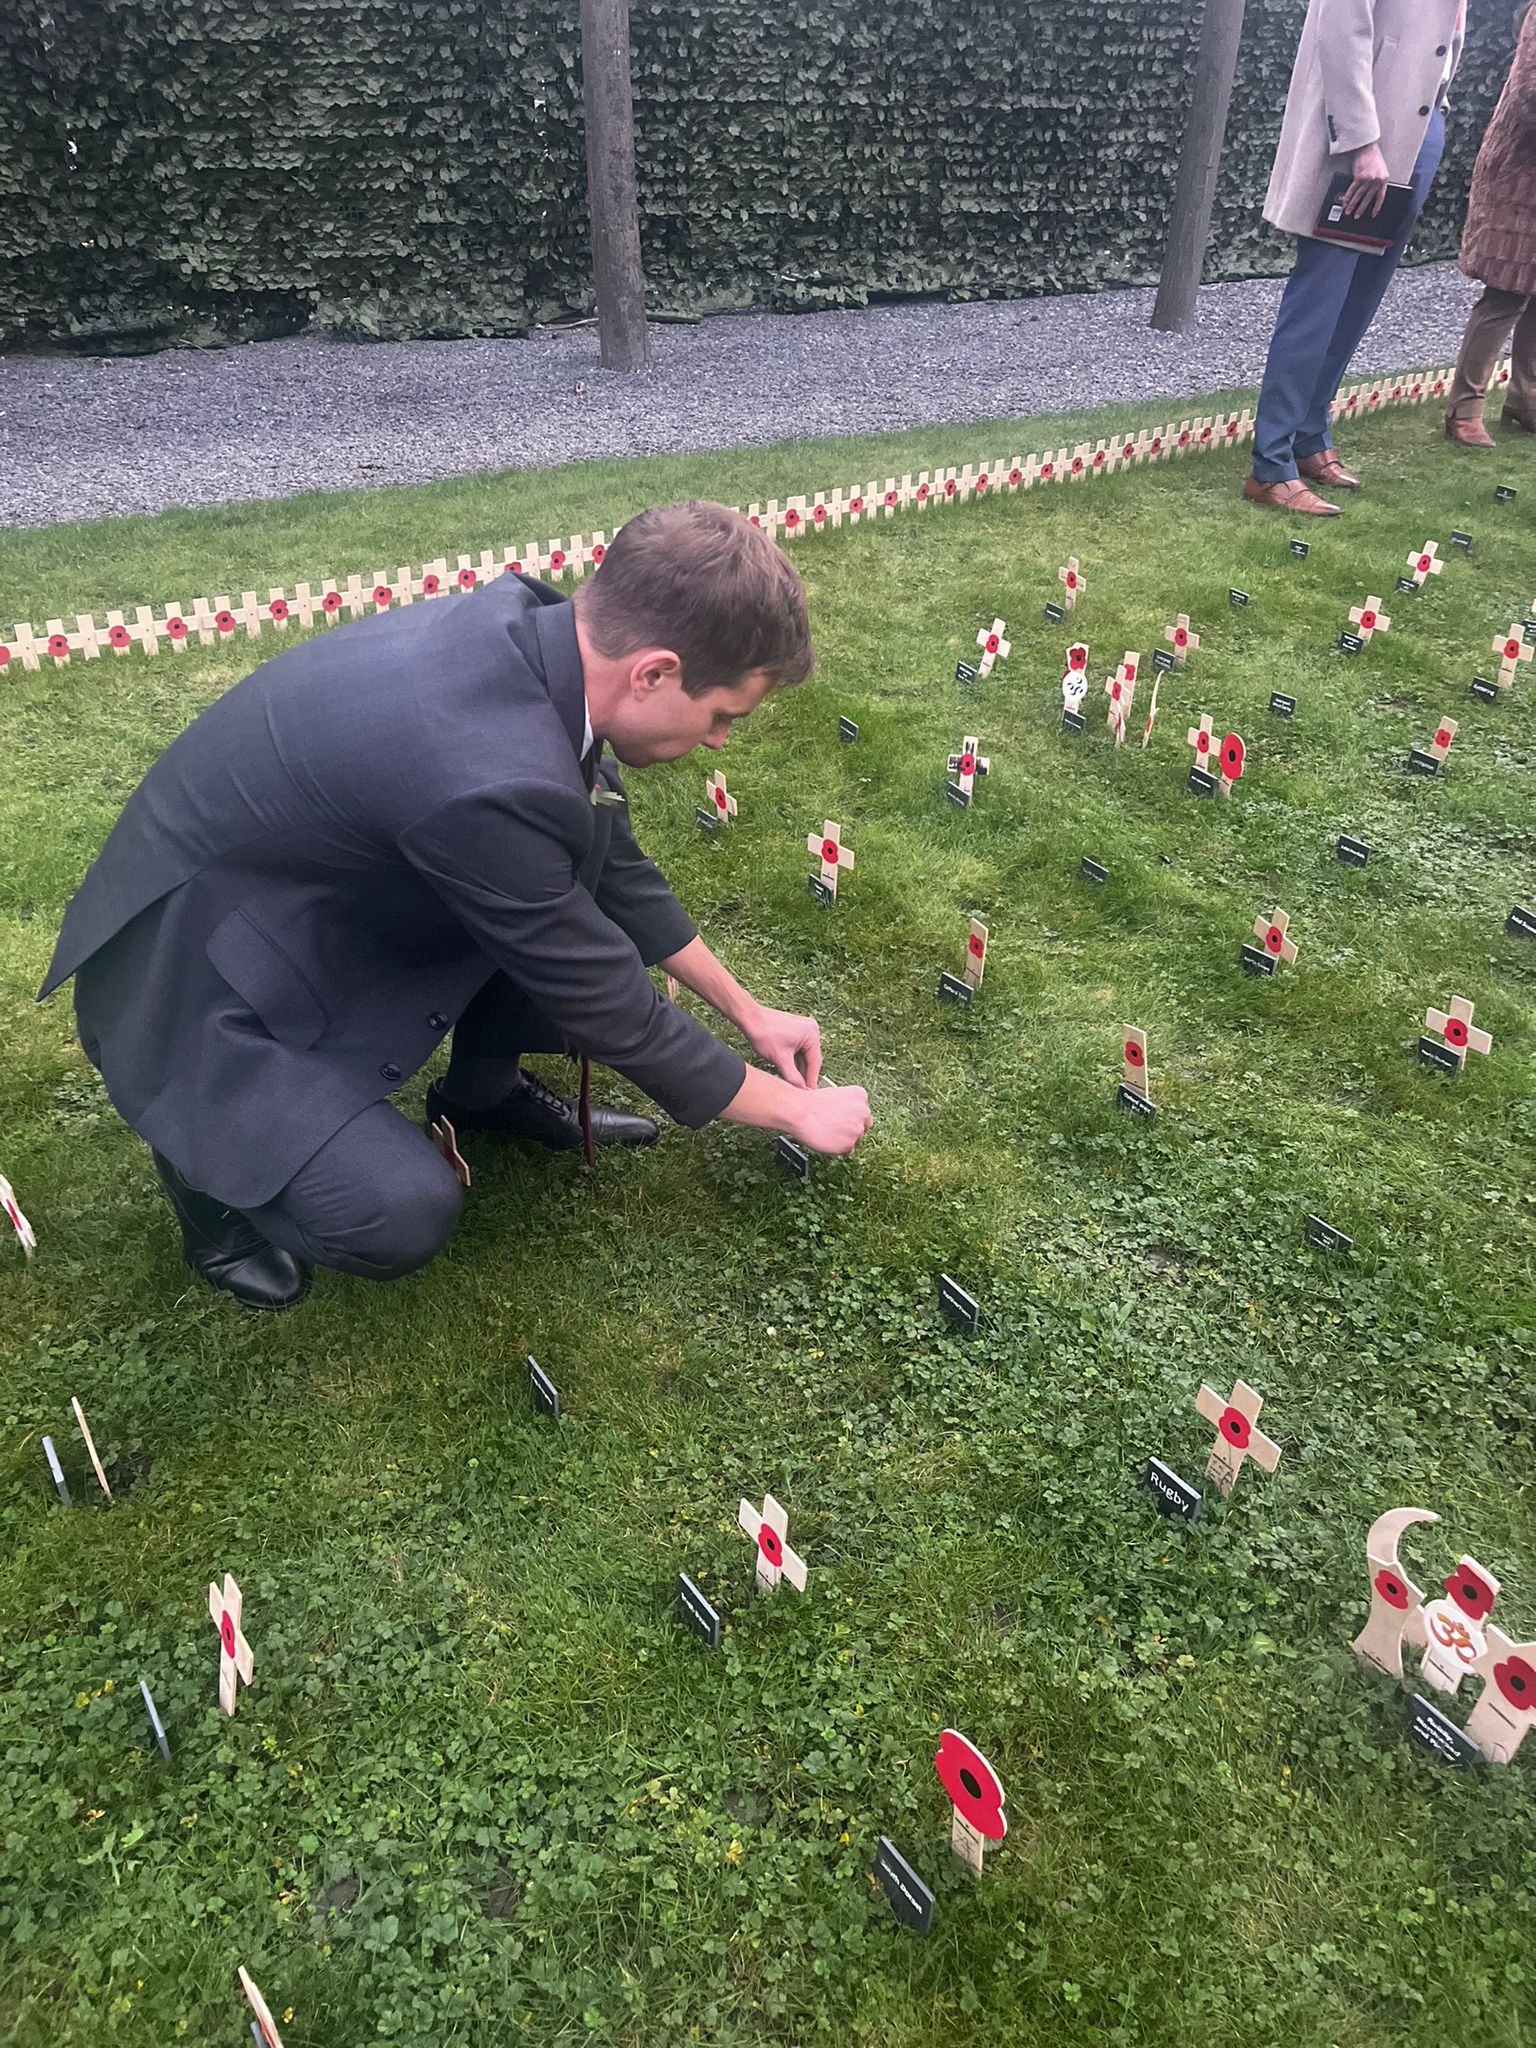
314	879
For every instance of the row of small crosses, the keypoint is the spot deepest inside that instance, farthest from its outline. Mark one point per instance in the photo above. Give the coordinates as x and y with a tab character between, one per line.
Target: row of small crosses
207	621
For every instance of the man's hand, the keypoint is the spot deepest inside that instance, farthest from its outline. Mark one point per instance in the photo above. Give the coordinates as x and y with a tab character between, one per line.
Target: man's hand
832	1119
792	1043
1366	196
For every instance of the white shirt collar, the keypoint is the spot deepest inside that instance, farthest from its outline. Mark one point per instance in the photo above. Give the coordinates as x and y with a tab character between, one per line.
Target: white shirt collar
586	744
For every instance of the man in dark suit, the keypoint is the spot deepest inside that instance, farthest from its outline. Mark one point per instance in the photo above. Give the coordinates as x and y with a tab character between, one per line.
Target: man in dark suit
405	826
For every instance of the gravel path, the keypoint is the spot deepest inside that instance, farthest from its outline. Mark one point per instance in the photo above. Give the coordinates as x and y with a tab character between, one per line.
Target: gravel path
84	438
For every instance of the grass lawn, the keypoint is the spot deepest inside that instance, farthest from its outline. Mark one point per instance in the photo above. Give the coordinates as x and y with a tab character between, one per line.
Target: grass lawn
485	1789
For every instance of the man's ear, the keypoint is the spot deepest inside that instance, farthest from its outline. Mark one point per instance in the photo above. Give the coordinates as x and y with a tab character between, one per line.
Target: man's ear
653	668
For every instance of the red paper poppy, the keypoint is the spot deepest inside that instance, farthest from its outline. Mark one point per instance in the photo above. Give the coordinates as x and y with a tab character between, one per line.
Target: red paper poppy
1180	636
950	487
1397	392
1127	450
278	609
771	1544
982	481
557	559
430	585
1374	400
1205	433
854	505
1235	1427
976	947
226	1633
1422	565
1391	1589
720	799
1516	1679
1418	390
1099	458
1511	650
753	519
829	851
971	1784
1442	738
225	621
1232	754
1015	476
176	626
1130	670
1071	579
1503	376
1438	386
514	568
967	764
466	579
993	643
1135	1055
1202	742
1231	430
598	552
1184	438
383	595
1077	465
791	518
331	602
1077	655
893	498
819	514
1274	939
1367	622
1468	1590
1351	402
1114	691
1047	470
1455	1031
118	636
1157	444
58	645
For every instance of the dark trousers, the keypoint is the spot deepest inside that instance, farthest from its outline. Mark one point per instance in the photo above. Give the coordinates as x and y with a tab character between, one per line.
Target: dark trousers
378	1199
1329	300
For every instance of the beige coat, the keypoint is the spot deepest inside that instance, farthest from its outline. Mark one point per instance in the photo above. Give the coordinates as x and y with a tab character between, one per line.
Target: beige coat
1366	71
1499	245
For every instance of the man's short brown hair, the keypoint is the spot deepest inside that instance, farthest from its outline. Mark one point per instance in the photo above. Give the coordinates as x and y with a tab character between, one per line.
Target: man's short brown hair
700	579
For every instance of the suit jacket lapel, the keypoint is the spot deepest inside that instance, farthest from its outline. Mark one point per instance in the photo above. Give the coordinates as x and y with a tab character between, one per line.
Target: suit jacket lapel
559	657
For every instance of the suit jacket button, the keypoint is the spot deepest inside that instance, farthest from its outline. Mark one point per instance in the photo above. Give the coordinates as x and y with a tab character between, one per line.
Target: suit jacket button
438	1021
1440	52
1423	110
390	1071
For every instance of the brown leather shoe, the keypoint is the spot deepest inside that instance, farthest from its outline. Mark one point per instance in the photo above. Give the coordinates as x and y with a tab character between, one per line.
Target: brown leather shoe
1326	468
1470	433
1519	420
1290	496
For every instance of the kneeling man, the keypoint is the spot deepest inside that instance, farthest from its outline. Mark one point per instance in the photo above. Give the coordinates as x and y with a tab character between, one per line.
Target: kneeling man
405	827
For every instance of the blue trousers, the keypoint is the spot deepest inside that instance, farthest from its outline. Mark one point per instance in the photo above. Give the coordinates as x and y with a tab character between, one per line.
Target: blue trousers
1329	301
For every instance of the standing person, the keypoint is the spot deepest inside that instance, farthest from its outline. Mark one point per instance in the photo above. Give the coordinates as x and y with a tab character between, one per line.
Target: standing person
1367	99
406	827
1499	247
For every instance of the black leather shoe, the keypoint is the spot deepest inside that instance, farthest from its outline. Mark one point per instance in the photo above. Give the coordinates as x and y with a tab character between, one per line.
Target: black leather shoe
536	1112
228	1251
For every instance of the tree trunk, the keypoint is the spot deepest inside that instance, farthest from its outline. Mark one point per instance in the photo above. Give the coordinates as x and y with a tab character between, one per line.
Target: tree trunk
610	110
1189	229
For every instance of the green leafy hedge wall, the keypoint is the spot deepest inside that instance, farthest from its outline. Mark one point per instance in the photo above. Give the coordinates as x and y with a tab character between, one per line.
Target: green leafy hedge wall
191	169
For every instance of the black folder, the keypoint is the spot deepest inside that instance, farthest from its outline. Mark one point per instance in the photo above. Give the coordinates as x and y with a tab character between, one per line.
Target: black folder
1370	232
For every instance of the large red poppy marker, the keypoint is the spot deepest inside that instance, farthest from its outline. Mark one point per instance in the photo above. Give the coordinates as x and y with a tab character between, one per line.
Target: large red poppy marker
1512	648
1120	688
1506	1710
977	1795
721	805
1397	1604
775	1559
1460	1036
1425	563
1181	638
1369	618
828	843
1237	1437
1230	760
234	1651
1453	1626
994	647
268	2034
19	1223
1072	581
965	767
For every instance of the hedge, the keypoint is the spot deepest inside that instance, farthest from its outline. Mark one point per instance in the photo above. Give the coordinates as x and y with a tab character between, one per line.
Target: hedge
196	170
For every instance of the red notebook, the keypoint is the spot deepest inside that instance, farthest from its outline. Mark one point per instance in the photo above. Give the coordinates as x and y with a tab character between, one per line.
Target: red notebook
1369	232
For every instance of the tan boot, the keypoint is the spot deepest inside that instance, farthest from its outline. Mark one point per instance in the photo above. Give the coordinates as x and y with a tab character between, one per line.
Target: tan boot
1470	433
1290	496
1326	468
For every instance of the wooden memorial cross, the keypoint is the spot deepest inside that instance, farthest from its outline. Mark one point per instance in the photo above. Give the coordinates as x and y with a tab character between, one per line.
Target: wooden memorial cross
775	1559
1369	618
19	1223
993	647
1146	731
1397	1604
722	804
1199	737
1426	563
977	1795
1181	639
268	2035
834	855
1512	648
1134	1057
1073	581
1439	746
445	1138
1120	689
966	766
1453	1632
976	953
90	1445
1274	932
1237	1436
1506	1709
234	1651
1456	1028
